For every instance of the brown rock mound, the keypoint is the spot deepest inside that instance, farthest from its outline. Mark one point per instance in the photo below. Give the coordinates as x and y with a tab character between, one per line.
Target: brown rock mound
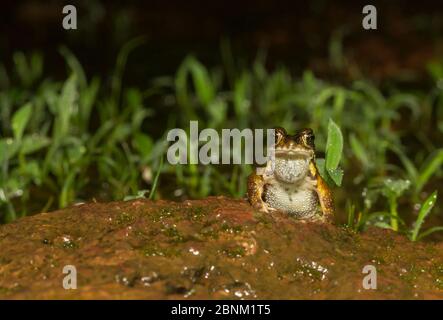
216	248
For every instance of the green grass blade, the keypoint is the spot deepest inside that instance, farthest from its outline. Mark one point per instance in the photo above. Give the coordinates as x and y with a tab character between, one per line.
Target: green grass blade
407	163
20	119
426	208
155	182
67	192
74	65
22	68
429	231
66	107
117	77
432	165
202	82
359	150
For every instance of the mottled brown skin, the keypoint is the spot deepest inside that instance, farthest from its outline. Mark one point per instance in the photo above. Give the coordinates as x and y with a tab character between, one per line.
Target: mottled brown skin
298	180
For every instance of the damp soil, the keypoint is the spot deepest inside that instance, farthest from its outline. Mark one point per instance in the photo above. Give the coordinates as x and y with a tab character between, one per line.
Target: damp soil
216	248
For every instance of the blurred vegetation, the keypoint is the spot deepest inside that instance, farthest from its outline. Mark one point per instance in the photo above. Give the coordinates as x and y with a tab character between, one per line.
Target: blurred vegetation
64	142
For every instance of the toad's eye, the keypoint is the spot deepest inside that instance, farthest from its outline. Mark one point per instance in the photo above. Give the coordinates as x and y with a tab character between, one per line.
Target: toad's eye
309	140
279	134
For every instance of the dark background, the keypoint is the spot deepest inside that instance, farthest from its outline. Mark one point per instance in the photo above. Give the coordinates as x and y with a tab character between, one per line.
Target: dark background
296	33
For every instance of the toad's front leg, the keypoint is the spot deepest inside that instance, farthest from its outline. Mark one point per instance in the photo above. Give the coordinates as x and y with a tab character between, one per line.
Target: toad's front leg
326	200
324	194
255	191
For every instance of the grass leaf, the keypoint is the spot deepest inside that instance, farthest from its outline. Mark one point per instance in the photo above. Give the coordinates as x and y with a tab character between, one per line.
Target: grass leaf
359	150
429	232
426	208
33	143
8	148
74	65
66	106
432	165
20	120
156	178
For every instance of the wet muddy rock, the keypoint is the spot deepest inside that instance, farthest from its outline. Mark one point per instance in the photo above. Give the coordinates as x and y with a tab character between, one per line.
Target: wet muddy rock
217	248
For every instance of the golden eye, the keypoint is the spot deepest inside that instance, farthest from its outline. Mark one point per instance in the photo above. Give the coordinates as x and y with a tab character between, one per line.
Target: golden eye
309	139
279	134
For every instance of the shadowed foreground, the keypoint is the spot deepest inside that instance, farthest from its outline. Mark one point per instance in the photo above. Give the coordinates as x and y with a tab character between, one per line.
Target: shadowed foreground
216	248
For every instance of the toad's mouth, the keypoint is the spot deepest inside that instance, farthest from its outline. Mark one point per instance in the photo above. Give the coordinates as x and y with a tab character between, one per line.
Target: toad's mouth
294	153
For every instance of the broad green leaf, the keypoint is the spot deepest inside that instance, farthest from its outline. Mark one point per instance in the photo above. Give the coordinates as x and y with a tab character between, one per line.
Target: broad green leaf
321	167
334	146
20	120
336	175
